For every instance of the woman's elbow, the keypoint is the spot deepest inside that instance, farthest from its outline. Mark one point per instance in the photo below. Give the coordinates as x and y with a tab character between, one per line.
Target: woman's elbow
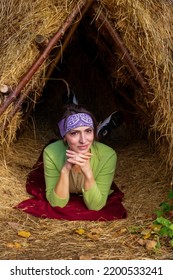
54	203
96	207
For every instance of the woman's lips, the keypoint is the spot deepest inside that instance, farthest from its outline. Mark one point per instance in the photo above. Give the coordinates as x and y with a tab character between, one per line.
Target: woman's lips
83	147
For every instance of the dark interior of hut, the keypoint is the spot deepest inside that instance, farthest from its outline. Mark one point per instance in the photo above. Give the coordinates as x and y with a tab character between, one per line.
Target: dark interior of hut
86	68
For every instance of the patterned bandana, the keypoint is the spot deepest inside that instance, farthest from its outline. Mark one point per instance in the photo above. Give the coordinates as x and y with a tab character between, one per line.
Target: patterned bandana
74	121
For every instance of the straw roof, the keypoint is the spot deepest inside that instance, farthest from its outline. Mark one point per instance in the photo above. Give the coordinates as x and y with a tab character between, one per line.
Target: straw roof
145	28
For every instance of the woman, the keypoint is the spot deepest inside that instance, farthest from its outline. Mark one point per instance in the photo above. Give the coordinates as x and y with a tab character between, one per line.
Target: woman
78	163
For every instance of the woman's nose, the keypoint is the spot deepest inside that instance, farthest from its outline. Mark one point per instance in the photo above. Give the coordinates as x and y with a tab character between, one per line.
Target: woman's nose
82	138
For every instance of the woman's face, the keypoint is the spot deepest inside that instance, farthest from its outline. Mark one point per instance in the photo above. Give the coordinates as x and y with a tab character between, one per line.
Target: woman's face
80	139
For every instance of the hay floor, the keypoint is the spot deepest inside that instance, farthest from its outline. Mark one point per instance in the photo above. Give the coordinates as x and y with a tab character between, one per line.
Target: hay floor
139	176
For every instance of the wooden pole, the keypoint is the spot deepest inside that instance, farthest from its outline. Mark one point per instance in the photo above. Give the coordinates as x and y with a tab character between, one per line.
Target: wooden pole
125	53
67	39
41	42
25	94
15	109
39	61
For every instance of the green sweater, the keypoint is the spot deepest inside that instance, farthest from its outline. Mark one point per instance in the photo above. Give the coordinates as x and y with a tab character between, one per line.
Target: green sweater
103	164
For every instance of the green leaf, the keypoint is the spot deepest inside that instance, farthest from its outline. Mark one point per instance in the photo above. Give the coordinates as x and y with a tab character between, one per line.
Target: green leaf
159	213
134	229
171	226
166	207
164	231
170	195
171	242
158	245
163	221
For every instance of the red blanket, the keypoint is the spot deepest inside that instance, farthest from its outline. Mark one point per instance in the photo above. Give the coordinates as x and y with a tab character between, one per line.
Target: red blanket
75	209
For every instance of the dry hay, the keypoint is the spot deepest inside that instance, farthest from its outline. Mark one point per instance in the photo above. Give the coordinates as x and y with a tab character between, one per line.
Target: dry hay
140	175
18	31
144	26
18	48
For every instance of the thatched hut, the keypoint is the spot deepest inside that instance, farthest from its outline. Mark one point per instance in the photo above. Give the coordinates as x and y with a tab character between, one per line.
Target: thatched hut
115	55
118	51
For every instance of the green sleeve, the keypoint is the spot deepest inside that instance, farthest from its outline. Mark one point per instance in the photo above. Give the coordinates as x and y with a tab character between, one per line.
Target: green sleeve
52	167
96	197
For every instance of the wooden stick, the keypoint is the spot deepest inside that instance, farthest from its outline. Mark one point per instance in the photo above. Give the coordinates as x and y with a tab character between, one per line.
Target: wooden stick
101	43
39	61
5	90
41	42
15	109
126	56
67	39
57	57
25	94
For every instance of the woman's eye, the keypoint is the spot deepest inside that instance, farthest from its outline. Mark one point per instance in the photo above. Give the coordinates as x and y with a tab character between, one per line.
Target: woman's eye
89	130
73	133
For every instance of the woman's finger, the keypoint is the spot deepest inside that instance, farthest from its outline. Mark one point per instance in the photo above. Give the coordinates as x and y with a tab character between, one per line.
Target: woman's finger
77	156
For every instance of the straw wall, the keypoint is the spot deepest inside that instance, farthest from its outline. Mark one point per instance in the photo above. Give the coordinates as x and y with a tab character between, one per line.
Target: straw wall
146	28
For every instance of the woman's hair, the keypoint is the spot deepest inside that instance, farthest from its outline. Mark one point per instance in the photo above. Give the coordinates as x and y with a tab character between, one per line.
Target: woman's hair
71	109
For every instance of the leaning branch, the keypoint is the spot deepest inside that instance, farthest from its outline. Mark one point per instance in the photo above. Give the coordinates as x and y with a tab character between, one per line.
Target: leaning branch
39	39
126	56
67	39
39	61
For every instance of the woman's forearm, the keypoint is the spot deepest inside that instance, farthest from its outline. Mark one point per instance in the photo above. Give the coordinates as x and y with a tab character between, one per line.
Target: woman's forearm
62	186
89	181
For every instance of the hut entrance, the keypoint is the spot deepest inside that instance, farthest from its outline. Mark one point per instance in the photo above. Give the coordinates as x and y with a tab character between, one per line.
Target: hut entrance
84	68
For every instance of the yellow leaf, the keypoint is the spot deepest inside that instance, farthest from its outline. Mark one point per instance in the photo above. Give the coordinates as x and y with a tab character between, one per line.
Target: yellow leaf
14	245
23	233
25	244
85	257
119	232
96	230
145	231
147	235
156	228
93	236
80	231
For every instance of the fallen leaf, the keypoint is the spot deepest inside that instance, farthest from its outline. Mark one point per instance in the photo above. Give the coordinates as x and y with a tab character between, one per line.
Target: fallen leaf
150	244
24	233
25	244
119	232
93	236
96	230
13	225
134	229
85	257
80	231
146	233
14	245
156	228
142	242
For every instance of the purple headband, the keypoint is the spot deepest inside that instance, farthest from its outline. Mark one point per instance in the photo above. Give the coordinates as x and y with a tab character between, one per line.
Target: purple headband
74	121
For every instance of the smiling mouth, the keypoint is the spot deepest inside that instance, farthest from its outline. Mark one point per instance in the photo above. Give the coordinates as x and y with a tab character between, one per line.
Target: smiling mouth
83	147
